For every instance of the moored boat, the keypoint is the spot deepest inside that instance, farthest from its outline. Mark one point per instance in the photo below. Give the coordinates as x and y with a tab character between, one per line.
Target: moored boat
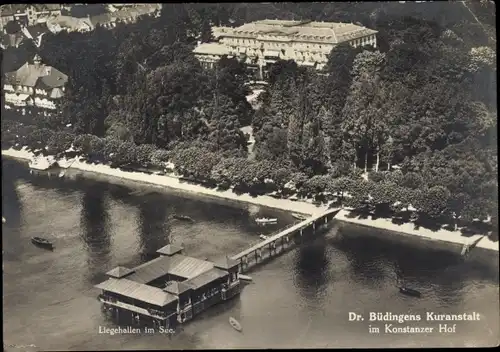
263	237
409	291
42	242
266	220
235	324
299	216
182	217
244	277
42	163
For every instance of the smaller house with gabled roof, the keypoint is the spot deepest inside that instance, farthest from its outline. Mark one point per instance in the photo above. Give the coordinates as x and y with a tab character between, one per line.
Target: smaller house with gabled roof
34	85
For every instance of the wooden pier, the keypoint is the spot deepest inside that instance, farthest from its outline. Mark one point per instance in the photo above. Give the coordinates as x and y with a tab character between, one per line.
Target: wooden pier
282	240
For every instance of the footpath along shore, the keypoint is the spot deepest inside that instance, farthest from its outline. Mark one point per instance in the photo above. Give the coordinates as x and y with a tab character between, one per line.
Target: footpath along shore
267	201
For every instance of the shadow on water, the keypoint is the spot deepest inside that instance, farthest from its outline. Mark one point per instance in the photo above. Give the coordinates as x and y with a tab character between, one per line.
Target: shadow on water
427	266
365	256
12	208
312	267
154	229
95	230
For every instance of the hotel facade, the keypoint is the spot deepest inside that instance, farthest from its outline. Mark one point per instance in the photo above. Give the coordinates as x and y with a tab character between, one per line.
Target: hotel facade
260	43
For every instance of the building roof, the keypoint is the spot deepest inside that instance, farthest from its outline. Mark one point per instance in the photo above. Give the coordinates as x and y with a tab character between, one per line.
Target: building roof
11	9
178	265
36	75
226	263
206	278
72	23
119	272
56	93
176	287
141	292
170	249
46	7
37	29
329	32
126	14
102	19
12	39
211	49
20	97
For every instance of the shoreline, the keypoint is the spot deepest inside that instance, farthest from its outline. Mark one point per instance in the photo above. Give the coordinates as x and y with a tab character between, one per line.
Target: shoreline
267	201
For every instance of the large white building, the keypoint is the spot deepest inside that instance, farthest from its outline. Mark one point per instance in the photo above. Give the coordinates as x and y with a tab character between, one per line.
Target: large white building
262	42
34	86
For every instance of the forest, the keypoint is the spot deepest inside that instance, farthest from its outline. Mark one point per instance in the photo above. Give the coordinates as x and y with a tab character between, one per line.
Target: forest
410	124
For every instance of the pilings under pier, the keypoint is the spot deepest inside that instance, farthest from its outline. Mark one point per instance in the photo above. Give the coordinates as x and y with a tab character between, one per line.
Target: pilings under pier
278	243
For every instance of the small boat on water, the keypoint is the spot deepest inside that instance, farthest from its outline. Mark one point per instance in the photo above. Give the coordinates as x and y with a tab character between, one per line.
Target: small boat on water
235	324
182	217
245	277
266	221
42	242
263	237
409	291
42	163
3	220
468	246
299	216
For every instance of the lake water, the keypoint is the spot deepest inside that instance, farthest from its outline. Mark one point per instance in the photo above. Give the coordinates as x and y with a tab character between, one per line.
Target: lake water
300	299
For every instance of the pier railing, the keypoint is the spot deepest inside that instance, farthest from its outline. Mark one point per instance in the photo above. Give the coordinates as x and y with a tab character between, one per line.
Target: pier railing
284	232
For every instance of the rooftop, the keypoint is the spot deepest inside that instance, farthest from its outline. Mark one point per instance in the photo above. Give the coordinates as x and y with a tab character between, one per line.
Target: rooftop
205	278
12	39
298	30
36	75
178	265
119	272
124	14
176	287
70	22
137	291
226	263
169	249
11	9
211	49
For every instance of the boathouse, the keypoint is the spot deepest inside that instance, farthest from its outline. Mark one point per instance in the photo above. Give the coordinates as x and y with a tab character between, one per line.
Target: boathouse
170	289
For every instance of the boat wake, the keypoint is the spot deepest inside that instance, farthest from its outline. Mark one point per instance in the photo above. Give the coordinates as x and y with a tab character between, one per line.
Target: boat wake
69	299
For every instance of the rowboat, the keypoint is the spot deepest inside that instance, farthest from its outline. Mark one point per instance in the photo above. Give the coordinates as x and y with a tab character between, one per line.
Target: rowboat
266	220
182	217
409	291
235	324
298	216
244	277
42	242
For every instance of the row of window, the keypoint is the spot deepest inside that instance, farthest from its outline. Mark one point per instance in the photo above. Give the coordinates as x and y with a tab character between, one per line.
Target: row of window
356	42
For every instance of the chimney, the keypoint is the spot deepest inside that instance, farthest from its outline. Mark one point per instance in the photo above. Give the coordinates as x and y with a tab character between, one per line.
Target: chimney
37	60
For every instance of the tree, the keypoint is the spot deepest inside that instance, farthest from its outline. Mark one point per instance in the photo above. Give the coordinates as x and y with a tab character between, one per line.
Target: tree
433	201
60	142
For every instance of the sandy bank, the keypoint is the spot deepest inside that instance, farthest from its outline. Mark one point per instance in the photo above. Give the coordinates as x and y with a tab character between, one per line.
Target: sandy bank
267	201
409	229
176	183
